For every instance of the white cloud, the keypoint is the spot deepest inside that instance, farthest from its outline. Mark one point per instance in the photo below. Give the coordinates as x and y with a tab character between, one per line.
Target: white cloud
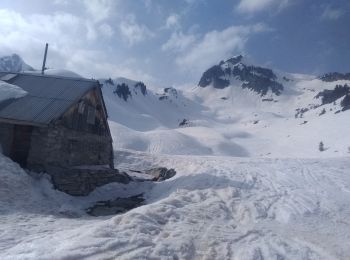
27	35
61	2
98	62
217	45
17	30
133	32
178	42
172	21
99	9
73	43
91	31
332	13
106	30
253	6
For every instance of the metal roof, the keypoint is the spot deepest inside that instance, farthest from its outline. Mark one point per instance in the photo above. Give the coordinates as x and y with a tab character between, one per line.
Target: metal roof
48	97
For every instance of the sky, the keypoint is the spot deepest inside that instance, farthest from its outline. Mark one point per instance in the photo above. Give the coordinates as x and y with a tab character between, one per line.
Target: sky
171	43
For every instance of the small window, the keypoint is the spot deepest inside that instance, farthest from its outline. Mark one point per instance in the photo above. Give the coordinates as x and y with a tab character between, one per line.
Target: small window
81	108
91	115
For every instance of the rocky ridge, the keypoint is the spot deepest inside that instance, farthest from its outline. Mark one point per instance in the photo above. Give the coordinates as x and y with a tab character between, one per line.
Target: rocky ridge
226	73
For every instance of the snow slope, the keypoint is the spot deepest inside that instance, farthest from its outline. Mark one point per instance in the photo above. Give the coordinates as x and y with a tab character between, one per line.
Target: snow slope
232	121
214	208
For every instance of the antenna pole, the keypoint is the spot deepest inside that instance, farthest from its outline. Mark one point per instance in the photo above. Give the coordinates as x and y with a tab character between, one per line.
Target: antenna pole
44	61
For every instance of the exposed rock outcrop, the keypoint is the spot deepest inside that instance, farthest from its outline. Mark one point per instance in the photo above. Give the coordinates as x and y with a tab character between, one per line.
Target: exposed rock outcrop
334	76
161	173
125	92
228	72
339	92
117	206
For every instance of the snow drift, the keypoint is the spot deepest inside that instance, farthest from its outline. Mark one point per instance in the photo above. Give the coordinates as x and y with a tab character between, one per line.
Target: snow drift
214	208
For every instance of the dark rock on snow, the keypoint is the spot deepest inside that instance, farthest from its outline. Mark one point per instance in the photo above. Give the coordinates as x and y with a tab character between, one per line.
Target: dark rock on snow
329	96
345	103
161	173
140	85
109	81
183	122
167	93
334	76
117	206
123	91
171	91
214	76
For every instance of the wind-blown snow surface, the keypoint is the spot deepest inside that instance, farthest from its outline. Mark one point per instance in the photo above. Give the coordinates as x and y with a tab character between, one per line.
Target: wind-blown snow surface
214	208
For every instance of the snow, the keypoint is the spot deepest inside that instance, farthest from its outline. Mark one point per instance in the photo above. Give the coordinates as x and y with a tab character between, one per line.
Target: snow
57	72
240	125
62	72
9	91
214	208
250	183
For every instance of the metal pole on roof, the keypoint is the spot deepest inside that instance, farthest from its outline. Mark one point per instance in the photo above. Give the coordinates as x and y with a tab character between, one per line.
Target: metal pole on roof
44	61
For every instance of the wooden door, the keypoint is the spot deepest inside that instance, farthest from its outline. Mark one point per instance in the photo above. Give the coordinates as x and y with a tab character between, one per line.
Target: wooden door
21	144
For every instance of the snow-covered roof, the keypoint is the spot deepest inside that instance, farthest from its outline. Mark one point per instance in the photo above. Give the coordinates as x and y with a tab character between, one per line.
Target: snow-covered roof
9	91
48	97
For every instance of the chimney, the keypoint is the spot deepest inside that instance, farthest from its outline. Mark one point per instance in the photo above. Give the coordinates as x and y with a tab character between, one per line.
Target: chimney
44	61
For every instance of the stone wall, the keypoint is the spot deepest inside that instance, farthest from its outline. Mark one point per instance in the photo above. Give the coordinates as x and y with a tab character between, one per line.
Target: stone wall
77	161
82	181
62	147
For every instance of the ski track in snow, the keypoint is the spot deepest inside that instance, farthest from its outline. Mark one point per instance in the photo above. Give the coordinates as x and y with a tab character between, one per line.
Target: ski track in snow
214	208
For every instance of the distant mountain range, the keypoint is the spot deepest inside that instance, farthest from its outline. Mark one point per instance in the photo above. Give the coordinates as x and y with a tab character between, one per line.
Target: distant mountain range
235	78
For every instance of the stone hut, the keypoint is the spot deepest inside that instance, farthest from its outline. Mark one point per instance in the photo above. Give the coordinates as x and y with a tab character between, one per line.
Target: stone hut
59	127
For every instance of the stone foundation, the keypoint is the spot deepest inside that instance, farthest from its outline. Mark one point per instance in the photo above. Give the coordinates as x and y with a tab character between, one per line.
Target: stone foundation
80	181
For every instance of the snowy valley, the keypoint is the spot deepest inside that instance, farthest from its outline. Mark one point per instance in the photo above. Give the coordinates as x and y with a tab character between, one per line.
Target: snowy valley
252	181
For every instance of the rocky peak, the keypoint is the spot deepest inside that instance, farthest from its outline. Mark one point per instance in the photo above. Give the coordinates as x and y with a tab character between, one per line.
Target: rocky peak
236	59
127	90
13	63
168	92
255	78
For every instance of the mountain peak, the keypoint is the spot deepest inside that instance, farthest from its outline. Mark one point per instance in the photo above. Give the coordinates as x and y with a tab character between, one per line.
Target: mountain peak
235	59
13	63
226	73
